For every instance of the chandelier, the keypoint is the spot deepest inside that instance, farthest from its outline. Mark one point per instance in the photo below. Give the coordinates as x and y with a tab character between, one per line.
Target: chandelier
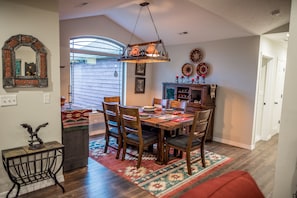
148	52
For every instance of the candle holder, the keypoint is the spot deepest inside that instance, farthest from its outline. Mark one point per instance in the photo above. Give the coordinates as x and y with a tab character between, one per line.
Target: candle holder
182	79
203	79
176	79
188	79
197	79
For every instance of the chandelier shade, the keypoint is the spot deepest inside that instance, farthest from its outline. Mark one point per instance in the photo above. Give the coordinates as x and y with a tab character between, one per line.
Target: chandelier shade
147	52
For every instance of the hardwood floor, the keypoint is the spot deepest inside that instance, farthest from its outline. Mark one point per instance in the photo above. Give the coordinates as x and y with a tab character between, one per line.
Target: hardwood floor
97	181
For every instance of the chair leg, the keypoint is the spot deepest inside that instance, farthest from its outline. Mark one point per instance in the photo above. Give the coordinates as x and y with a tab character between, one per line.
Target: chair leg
139	156
202	156
151	148
124	151
178	153
120	142
175	152
106	143
188	156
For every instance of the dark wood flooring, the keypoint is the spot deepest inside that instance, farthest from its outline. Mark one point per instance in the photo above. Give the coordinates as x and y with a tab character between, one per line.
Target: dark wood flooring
99	182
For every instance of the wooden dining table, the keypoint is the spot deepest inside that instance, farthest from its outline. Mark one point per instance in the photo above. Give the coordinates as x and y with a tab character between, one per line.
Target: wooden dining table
165	120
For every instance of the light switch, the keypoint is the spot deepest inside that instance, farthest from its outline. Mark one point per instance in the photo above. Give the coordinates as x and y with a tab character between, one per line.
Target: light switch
8	100
46	98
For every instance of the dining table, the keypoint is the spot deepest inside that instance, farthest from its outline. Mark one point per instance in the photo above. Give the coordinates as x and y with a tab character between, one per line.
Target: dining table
164	120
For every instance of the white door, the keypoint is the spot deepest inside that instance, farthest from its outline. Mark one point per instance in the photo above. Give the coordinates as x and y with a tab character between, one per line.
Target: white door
278	98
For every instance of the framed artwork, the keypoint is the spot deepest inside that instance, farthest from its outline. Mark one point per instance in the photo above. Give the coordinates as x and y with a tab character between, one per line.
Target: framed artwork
140	69
139	85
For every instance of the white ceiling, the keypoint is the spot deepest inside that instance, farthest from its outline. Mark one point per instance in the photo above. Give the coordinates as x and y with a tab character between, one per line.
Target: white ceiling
204	20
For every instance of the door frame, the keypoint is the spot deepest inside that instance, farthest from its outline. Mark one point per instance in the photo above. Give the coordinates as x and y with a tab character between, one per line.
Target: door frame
265	98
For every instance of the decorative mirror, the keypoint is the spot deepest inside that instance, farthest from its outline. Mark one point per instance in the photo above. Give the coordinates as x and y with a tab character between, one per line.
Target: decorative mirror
24	62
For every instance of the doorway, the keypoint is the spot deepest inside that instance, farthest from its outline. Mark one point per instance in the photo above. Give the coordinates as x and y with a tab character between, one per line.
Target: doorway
263	99
269	97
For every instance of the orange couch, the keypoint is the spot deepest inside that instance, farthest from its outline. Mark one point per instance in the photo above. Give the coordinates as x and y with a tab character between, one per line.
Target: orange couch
235	184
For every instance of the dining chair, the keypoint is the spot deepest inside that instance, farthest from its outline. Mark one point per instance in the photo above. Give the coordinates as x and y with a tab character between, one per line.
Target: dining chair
112	99
162	102
192	141
133	134
112	125
178	105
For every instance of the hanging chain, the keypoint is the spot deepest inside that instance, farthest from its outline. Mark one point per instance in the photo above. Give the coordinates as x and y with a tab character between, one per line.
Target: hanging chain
134	28
144	4
153	22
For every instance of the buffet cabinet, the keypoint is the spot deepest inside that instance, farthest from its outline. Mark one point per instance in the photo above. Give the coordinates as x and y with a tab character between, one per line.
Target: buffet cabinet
198	96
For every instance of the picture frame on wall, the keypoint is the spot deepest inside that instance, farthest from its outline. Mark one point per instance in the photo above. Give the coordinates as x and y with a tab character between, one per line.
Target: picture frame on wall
140	69
139	85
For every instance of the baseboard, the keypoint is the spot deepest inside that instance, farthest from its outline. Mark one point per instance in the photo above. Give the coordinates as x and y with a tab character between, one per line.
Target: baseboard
232	143
33	187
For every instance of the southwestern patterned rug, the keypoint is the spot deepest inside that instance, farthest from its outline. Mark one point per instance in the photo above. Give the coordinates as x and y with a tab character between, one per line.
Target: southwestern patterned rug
160	180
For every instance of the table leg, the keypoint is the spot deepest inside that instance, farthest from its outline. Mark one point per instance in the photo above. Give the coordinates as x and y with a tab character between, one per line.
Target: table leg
160	158
54	177
7	195
52	174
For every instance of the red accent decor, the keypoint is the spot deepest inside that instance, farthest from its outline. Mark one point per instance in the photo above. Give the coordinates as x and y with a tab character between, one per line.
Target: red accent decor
234	184
75	118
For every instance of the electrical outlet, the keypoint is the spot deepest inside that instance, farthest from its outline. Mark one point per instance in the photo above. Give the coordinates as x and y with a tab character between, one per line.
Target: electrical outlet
8	100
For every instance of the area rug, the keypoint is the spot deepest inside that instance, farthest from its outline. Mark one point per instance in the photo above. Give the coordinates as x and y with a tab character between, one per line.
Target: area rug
160	180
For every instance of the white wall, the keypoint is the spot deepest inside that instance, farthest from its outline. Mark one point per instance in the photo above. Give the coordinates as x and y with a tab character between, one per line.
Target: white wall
44	25
285	183
233	67
104	27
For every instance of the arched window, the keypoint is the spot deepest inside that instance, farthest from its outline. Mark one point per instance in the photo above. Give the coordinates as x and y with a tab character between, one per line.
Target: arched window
95	71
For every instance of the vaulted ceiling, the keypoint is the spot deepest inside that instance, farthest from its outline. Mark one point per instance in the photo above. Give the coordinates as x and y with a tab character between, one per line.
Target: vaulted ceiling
202	20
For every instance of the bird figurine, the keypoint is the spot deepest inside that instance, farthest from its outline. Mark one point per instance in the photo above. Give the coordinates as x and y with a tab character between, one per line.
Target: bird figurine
34	136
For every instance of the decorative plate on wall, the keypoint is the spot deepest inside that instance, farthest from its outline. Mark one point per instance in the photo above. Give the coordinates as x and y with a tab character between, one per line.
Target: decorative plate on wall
202	69
187	69
196	55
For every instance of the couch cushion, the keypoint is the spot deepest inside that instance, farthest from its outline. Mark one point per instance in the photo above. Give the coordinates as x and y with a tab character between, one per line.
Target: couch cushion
234	184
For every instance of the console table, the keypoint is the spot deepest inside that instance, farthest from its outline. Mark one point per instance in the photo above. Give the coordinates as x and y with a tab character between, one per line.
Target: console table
25	166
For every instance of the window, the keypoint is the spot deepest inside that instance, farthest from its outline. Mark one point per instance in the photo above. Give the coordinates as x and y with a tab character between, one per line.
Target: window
95	71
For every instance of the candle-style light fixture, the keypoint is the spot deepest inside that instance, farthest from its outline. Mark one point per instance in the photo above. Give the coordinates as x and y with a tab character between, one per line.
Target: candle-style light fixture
148	52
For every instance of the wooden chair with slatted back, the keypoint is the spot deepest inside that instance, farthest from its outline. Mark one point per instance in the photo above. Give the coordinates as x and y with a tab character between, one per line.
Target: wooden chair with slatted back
178	105
112	125
192	141
162	102
133	133
112	99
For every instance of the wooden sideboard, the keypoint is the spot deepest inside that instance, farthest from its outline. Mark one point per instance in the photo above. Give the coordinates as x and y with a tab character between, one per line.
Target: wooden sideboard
198	96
